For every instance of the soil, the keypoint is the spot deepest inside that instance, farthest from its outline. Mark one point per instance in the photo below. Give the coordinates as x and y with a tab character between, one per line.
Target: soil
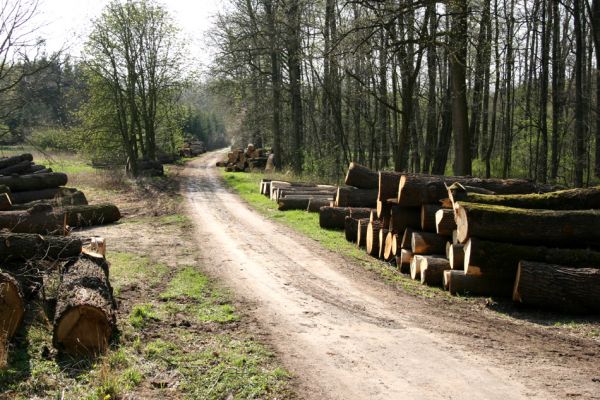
346	334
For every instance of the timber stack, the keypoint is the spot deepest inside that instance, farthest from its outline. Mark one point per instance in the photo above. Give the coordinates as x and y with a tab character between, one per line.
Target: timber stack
37	215
239	160
297	195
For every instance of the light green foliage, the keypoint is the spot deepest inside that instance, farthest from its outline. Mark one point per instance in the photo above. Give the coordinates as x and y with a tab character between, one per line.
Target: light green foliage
141	315
131	268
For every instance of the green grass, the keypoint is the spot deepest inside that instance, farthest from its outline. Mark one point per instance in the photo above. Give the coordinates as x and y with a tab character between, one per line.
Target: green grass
131	268
247	186
190	291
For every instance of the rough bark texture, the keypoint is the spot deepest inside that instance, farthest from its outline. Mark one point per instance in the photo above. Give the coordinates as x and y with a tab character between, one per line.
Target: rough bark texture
85	309
457	282
428	211
567	289
361	177
444	222
90	215
299	202
38	219
572	199
12	306
387	189
333	217
7	162
350	228
406	242
406	257
361	232
432	270
348	196
571	228
34	181
75	199
427	243
502	259
404	217
416	190
315	204
44	194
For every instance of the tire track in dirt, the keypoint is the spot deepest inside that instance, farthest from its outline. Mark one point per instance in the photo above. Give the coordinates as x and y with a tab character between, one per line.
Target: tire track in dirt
343	336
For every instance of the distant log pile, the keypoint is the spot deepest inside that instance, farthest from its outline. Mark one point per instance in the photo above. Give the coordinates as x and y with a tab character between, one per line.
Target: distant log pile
37	213
239	160
483	237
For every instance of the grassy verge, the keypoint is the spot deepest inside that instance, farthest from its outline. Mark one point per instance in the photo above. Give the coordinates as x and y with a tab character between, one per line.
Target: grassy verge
179	334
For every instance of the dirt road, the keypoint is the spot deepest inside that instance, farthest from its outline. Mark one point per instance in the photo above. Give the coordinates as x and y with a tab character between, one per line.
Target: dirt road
346	335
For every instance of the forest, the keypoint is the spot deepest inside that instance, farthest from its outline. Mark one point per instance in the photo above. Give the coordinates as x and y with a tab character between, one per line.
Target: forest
502	88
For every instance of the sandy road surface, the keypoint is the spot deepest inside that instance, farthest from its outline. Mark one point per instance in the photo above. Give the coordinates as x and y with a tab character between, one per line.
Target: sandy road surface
347	336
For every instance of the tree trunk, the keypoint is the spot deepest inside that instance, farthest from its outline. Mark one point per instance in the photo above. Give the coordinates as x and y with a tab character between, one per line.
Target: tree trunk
456	256
579	156
298	202
502	259
333	217
348	196
427	243
43	194
457	282
293	14
432	270
361	232
406	257
444	222
26	246
556	287
428	212
90	215
315	204
34	181
85	308
569	228
361	177
372	238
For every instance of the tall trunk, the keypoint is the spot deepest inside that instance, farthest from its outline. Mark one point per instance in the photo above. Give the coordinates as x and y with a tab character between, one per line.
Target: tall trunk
295	76
383	94
579	102
595	19
507	150
431	130
275	82
490	146
543	158
458	67
557	88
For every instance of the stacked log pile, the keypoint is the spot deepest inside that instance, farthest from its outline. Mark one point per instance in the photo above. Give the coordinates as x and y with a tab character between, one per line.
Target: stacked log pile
298	196
37	214
239	160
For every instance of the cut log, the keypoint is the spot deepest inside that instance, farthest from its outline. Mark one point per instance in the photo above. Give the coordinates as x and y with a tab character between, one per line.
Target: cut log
333	217
572	228
572	199
387	188
456	256
38	219
75	199
5	203
90	215
404	217
432	270
457	282
361	177
26	246
406	242
406	257
361	232
7	162
296	202
383	233
416	190
388	253
34	181
315	204
350	228
12	305
428	221
372	242
425	243
556	287
16	168
502	259
444	222
44	194
415	267
395	244
85	308
348	196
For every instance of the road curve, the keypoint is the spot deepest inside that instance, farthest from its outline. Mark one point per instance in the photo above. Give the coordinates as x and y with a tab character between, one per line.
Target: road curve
343	336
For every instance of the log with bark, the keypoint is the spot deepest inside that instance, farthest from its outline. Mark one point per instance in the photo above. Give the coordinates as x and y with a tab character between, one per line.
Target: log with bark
425	243
8	161
34	181
428	217
570	228
572	199
404	217
333	217
12	309
348	196
457	282
44	194
90	215
567	289
299	202
361	177
456	256
17	168
444	222
75	199
315	204
5	203
372	239
350	228
406	241
85	308
387	188
416	190
361	232
502	259
38	219
406	257
432	270
27	246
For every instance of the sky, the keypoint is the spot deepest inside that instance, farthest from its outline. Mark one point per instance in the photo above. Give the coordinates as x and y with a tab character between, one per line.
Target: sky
67	22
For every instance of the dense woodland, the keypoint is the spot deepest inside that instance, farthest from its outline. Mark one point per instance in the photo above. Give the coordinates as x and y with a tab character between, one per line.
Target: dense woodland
484	87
